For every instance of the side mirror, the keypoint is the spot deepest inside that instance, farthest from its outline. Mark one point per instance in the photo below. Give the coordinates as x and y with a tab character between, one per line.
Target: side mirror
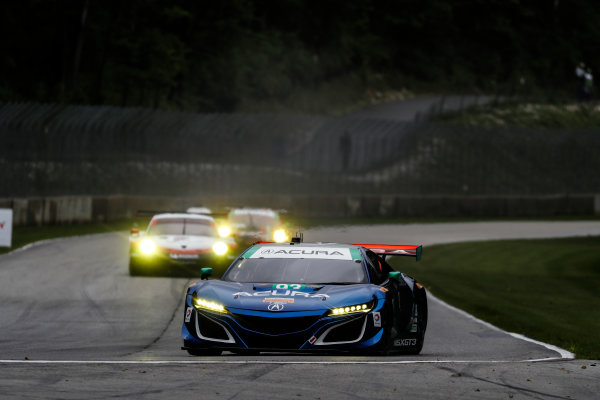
395	275
205	273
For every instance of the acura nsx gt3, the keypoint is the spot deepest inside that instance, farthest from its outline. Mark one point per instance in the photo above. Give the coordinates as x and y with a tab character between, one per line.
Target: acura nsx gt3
308	297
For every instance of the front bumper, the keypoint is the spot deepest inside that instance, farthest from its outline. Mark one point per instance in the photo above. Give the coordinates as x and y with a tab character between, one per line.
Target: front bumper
174	261
306	331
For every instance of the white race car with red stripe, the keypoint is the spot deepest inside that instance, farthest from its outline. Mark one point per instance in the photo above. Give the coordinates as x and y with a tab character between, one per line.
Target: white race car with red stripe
181	242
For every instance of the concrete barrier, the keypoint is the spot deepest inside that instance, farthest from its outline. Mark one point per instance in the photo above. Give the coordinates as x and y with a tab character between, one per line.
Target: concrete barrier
82	209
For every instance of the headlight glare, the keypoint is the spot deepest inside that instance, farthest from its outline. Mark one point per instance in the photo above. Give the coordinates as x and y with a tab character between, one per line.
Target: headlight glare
147	246
357	308
224	231
220	248
209	305
279	236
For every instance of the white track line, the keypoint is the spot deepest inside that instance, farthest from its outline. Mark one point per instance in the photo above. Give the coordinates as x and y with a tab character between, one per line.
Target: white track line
185	362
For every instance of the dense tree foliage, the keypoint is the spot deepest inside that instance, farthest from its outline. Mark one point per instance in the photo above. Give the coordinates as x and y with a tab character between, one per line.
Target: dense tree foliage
234	54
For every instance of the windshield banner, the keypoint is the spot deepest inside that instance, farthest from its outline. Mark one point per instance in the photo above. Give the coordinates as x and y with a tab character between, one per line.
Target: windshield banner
328	253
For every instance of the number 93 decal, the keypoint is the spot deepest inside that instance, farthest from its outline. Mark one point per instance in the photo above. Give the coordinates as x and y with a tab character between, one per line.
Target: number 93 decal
294	286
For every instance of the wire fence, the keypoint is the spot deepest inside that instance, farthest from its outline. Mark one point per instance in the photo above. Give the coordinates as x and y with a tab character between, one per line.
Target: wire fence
52	150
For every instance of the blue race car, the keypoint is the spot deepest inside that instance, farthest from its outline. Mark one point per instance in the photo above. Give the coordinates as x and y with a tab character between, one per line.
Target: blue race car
308	297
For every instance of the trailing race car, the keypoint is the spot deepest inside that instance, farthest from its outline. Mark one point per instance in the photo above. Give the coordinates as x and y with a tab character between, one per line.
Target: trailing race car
179	242
308	297
251	225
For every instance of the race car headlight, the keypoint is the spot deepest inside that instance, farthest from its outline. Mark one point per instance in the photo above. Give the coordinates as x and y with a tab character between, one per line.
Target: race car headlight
209	305
147	246
224	231
220	248
353	309
279	236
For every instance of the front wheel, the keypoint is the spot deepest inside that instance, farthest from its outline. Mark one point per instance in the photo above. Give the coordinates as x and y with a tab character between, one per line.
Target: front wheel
418	337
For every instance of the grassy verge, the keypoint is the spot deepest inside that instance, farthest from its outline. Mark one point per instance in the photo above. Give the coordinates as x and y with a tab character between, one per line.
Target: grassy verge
526	114
545	289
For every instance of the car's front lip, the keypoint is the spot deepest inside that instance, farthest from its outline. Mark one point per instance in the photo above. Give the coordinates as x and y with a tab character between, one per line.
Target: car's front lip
312	337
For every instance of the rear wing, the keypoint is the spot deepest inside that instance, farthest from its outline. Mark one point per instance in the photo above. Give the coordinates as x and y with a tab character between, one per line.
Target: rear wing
394	249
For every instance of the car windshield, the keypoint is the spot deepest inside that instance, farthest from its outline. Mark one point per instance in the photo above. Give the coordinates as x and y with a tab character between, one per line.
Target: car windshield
250	220
183	226
296	270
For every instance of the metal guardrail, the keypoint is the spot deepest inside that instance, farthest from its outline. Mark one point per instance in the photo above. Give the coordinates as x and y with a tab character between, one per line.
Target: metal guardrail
53	150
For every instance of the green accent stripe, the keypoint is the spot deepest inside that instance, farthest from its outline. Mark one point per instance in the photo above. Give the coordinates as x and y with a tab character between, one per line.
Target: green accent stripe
248	253
355	253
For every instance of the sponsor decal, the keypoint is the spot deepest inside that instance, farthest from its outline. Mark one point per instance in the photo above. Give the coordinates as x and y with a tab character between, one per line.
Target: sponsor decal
291	293
377	319
302	252
277	300
188	314
177	256
312	339
288	286
275	307
405	342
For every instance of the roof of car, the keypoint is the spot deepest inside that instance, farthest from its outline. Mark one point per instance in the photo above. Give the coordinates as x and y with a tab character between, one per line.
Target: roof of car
254	211
183	215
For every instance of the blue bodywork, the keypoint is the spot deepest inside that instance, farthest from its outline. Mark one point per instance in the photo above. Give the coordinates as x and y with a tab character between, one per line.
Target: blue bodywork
294	317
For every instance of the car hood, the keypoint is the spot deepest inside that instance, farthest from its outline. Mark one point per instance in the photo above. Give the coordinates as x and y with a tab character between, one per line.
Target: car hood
257	296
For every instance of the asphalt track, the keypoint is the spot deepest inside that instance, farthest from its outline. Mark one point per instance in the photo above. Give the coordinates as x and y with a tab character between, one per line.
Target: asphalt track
73	324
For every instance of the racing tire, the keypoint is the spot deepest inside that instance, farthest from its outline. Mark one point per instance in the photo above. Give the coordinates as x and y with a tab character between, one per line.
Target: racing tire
204	352
421	302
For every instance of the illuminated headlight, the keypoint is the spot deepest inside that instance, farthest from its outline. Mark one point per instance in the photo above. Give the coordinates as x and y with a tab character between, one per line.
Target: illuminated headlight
279	236
209	305
147	246
224	231
357	308
220	248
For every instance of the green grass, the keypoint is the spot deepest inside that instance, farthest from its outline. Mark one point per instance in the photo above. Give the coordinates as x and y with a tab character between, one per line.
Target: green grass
525	114
548	290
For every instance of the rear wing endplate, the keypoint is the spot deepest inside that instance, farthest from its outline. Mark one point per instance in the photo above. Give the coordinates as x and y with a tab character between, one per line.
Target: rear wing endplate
394	249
